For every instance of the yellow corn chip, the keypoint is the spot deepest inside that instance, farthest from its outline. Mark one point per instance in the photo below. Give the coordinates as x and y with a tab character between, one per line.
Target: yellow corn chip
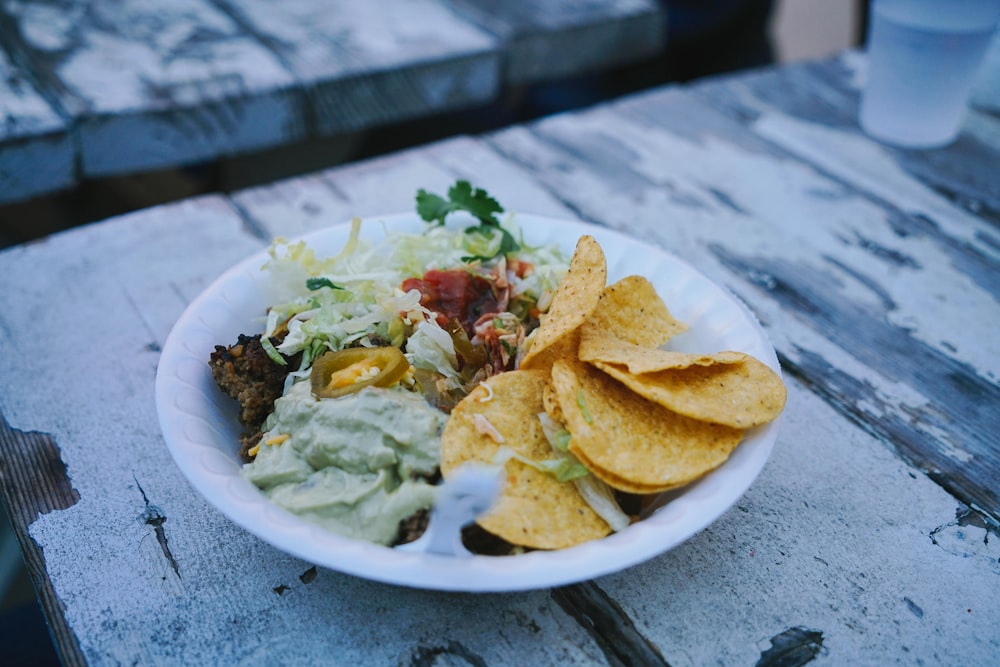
535	509
574	300
629	438
634	312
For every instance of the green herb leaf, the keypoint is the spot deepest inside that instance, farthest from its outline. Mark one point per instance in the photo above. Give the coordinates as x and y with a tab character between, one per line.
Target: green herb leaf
462	196
476	201
507	243
432	207
318	283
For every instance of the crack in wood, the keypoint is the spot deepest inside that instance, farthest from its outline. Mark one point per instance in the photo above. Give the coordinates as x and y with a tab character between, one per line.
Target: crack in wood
608	624
250	224
794	647
968	516
34	481
427	656
153	516
913	607
962	399
727	201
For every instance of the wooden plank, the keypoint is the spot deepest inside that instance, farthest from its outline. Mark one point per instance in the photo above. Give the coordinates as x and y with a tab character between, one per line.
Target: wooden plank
368	64
33	481
826	94
51	462
144	571
838	552
838	546
556	39
158	83
859	294
301	205
36	152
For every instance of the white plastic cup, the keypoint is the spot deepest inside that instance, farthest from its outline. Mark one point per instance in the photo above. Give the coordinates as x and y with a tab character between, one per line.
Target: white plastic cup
923	57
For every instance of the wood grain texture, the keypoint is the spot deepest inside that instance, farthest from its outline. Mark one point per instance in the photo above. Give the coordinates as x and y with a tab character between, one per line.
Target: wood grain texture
553	39
33	482
145	571
299	206
154	84
841	545
37	152
869	300
827	93
369	64
144	85
940	209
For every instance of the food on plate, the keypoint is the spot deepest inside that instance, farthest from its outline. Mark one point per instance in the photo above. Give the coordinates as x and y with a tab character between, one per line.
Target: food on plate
357	465
623	305
384	368
730	388
368	351
245	371
632	443
574	300
498	421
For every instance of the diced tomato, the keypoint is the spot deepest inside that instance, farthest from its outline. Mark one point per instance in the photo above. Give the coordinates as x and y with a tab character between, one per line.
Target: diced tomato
520	268
454	293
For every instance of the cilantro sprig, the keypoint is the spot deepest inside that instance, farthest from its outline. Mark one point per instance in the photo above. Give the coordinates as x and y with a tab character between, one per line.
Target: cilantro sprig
316	283
462	196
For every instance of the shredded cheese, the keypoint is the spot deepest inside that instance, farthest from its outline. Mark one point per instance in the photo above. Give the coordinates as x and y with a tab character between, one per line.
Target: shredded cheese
489	392
353	374
276	440
484	427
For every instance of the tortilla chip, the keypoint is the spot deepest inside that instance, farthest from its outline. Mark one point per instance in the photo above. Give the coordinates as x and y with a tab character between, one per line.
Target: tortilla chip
535	509
550	402
632	441
603	345
574	300
632	309
731	388
566	347
621	484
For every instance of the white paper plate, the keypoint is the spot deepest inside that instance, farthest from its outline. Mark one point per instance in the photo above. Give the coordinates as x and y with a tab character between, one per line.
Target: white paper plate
200	428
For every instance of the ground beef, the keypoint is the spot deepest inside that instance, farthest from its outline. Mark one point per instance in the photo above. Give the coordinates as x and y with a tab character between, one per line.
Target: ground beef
245	372
478	541
412	527
474	538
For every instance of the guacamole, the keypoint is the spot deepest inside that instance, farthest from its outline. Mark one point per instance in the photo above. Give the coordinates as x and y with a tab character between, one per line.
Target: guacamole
353	465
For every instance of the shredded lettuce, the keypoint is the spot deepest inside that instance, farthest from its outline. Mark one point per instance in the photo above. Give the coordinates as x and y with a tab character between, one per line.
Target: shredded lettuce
430	347
355	297
563	468
268	346
601	499
594	492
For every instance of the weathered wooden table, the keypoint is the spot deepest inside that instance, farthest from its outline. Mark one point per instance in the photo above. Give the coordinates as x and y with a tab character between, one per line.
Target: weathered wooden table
870	538
93	88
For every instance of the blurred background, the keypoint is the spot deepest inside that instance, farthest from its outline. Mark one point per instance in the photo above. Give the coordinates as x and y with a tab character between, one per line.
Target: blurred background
799	29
